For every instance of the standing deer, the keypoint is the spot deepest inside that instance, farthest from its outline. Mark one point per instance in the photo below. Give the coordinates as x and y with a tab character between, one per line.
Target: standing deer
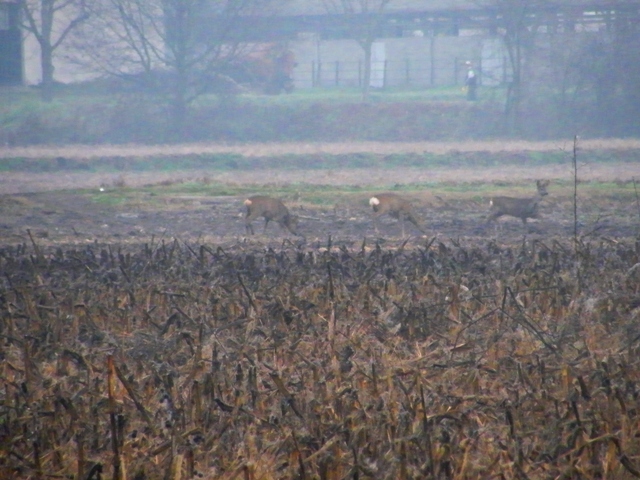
271	209
396	207
521	208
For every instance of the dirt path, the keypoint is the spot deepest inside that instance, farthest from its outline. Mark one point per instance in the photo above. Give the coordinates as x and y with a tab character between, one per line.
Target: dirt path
272	149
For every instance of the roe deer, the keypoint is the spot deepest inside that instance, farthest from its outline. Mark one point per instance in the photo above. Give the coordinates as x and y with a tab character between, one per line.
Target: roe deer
271	209
521	208
395	206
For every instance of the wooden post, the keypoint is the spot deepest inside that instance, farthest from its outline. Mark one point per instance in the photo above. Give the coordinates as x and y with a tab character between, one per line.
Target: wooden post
407	71
384	74
455	71
432	52
504	70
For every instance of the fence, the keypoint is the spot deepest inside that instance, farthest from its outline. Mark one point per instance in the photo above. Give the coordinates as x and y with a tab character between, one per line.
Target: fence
409	72
389	73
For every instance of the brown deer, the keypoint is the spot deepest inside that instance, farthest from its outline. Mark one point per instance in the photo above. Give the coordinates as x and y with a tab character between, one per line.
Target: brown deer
521	208
271	209
396	207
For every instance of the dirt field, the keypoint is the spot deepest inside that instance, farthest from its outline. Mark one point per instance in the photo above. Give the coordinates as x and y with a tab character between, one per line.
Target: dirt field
273	149
161	341
37	202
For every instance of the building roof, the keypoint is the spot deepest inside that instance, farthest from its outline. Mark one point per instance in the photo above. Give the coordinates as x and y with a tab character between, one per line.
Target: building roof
286	19
322	7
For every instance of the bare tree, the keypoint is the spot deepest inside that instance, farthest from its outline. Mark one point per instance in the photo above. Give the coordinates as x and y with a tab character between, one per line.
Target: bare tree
607	76
514	33
123	38
514	25
368	17
51	21
188	41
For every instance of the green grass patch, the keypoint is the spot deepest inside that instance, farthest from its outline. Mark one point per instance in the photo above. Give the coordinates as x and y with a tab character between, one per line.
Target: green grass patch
336	96
326	195
224	162
113	198
91	116
174	194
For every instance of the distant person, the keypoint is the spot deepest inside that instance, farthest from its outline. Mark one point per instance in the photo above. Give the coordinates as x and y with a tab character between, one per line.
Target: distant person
471	82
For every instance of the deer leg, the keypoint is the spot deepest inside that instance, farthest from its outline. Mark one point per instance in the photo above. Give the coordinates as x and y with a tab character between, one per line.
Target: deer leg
492	217
247	223
266	224
284	225
292	227
413	220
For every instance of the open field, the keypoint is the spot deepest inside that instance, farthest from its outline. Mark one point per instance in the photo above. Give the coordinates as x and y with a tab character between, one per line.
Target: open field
309	148
106	199
143	332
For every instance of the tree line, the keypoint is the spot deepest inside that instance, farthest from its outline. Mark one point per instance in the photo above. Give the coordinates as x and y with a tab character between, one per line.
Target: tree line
137	39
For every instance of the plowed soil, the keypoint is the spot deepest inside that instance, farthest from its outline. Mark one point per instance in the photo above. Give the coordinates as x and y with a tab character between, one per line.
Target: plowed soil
42	206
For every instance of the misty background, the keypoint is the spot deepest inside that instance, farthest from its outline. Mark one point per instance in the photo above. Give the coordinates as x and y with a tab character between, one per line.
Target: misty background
156	71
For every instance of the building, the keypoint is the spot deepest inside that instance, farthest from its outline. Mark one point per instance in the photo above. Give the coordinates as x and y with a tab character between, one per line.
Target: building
423	43
11	62
418	43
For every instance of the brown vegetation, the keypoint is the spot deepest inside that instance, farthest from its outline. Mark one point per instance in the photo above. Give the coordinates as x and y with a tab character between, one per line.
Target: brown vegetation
466	358
171	360
313	148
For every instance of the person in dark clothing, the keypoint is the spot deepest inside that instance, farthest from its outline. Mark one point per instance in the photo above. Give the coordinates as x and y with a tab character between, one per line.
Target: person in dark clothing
471	82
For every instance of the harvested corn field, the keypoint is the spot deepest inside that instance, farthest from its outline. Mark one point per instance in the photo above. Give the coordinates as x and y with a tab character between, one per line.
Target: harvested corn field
145	335
456	359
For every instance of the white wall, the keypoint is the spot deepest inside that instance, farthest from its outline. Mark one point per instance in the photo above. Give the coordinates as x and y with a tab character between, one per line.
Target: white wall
415	61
